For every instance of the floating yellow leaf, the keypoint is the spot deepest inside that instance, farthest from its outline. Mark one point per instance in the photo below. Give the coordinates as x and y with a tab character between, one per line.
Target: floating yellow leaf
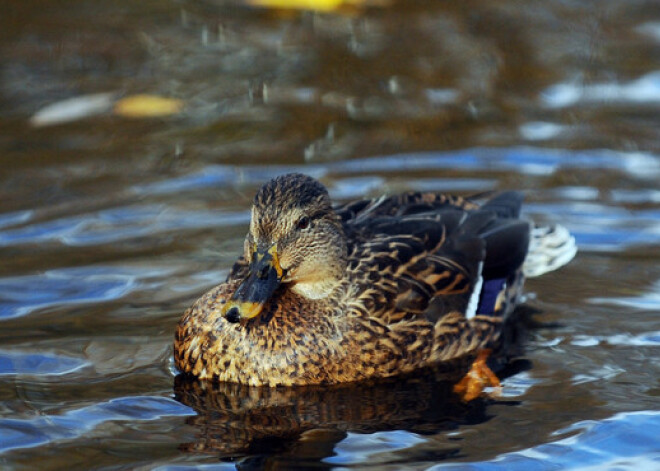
320	5
147	106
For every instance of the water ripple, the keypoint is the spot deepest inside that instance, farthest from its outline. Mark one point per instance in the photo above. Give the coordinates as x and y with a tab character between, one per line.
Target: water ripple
525	160
646	339
41	430
22	295
14	218
135	221
25	363
117	224
197	467
649	300
602	227
624	441
359	448
642	91
213	175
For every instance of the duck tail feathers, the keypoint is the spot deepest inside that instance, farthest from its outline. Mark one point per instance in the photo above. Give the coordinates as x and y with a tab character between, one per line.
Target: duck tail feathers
550	248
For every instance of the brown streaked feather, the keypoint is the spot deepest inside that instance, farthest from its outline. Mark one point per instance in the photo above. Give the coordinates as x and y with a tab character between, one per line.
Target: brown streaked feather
400	205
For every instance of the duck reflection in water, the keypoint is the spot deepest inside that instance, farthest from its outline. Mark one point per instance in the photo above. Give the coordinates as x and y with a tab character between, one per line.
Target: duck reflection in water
306	422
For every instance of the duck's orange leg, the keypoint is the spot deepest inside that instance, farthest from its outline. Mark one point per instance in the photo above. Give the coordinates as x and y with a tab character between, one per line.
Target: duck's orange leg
477	379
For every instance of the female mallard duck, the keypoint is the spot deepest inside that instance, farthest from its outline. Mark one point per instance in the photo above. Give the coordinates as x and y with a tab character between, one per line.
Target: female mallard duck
372	288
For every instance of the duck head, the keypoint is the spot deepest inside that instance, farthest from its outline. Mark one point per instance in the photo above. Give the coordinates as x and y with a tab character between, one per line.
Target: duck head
295	239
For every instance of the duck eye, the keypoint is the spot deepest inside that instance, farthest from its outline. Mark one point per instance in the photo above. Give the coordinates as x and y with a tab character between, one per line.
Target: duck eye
303	223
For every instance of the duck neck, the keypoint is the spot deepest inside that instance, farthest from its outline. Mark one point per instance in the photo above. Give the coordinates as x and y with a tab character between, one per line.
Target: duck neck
318	289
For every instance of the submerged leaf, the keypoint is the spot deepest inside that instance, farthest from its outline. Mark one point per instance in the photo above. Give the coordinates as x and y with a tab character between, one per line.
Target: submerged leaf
147	106
319	5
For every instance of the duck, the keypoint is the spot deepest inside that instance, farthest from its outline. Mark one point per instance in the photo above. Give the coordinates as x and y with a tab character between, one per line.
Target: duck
368	289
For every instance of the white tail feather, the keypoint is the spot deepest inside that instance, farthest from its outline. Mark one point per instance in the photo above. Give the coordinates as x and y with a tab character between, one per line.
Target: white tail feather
550	247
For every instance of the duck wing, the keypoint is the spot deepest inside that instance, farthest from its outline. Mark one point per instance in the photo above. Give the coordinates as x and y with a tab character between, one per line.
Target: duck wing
425	263
355	212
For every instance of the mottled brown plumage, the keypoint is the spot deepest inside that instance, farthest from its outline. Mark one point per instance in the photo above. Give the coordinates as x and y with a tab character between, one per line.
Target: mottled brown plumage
372	288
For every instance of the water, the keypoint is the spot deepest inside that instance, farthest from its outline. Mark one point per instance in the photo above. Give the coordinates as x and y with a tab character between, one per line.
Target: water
110	227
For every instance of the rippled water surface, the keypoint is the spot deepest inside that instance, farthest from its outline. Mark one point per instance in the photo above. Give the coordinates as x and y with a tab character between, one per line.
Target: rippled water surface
111	225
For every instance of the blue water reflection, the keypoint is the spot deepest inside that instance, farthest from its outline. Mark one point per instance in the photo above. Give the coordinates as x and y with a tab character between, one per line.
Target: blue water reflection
117	224
47	364
644	90
41	430
624	441
365	448
524	160
22	295
596	226
18	217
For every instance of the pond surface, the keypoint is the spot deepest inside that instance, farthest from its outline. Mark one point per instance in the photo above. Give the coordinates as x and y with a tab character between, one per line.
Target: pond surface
110	225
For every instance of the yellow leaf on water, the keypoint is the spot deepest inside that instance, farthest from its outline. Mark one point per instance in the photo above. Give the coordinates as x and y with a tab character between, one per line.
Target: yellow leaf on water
323	5
320	5
147	106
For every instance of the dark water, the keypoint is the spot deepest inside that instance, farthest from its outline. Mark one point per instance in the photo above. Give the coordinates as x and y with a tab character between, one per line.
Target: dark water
110	226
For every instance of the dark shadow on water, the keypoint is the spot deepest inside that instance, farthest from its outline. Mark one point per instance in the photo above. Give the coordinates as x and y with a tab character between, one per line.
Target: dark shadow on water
237	421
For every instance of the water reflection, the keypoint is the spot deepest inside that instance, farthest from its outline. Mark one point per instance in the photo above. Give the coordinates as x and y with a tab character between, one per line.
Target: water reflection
620	442
41	430
71	286
236	420
645	91
646	299
116	224
39	364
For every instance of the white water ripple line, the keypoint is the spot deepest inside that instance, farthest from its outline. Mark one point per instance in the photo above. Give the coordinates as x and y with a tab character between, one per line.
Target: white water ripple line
649	300
644	90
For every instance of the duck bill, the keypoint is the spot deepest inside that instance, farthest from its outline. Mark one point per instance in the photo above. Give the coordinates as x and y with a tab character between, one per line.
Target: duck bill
253	293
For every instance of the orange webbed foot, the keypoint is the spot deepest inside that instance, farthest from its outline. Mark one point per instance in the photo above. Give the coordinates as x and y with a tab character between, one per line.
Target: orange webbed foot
477	379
